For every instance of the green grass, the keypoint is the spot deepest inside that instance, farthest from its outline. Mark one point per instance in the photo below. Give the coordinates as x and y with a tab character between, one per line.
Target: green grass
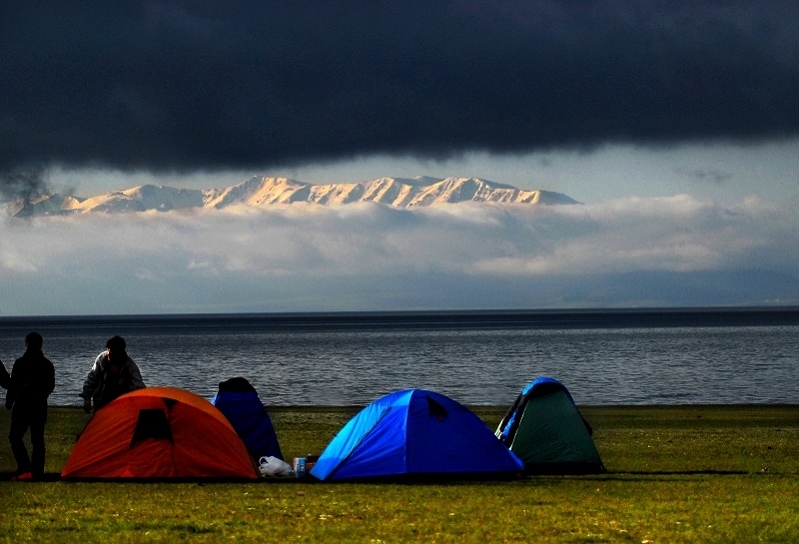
675	474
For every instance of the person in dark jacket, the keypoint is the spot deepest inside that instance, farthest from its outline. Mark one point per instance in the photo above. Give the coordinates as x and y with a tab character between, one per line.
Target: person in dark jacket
113	374
32	381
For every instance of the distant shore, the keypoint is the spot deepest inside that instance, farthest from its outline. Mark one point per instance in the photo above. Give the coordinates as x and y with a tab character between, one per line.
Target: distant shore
447	319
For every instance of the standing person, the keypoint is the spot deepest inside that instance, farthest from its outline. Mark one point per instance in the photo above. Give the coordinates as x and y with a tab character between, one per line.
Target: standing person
113	374
32	381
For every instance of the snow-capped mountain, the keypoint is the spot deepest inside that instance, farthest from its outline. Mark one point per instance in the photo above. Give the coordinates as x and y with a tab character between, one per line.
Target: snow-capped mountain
258	191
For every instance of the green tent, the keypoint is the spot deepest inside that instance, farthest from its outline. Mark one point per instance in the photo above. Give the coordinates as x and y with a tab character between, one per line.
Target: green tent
546	430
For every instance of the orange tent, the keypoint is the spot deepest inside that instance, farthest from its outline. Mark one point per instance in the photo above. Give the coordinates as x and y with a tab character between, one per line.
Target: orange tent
159	433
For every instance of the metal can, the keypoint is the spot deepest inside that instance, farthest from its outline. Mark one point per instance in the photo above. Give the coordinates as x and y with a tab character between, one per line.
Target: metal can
299	467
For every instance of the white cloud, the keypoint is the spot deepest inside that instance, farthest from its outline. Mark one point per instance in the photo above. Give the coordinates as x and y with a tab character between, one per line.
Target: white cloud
308	258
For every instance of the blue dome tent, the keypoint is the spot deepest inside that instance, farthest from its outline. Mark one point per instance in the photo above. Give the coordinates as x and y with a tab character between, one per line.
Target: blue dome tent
238	400
415	433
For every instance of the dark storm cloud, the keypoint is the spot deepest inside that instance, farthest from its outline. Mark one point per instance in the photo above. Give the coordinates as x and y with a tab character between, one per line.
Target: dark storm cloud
231	84
22	183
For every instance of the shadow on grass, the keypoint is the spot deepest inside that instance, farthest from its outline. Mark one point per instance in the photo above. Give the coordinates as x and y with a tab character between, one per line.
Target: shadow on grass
417	481
48	477
678	472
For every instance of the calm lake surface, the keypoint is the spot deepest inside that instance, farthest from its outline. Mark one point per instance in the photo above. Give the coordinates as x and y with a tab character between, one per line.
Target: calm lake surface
478	358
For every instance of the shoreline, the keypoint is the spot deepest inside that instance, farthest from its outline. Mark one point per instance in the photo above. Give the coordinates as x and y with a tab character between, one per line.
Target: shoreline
482	407
570	318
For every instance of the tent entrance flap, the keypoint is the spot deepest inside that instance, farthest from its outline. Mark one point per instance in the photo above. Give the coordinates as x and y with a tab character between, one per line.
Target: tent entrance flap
436	409
152	424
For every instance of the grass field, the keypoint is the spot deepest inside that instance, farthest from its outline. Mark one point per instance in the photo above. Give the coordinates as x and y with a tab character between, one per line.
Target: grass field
675	474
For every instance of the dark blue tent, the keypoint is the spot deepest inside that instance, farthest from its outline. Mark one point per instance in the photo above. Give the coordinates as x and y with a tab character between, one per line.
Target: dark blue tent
412	433
239	401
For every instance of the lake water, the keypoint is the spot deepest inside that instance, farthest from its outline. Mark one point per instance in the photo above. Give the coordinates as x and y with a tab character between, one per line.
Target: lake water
604	358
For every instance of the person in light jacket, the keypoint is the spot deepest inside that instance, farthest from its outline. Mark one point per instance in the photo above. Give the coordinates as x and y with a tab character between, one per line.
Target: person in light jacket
113	374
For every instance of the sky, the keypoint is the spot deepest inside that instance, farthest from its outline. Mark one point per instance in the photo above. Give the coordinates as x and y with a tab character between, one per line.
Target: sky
675	124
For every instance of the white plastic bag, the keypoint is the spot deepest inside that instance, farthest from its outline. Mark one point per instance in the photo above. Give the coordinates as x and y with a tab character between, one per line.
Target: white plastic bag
273	467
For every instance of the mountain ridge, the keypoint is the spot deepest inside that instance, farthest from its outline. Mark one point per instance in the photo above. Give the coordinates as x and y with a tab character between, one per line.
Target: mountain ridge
265	191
